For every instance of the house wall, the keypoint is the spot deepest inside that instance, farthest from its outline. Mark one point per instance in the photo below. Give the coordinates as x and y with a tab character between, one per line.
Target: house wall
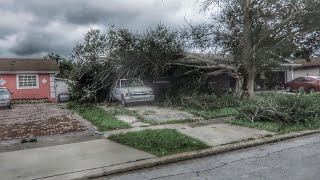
44	90
312	71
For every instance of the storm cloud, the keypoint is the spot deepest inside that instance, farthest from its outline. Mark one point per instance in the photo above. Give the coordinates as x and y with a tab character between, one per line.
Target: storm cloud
33	28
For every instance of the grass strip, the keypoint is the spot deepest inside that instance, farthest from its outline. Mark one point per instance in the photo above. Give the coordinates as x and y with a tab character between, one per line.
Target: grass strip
159	142
103	120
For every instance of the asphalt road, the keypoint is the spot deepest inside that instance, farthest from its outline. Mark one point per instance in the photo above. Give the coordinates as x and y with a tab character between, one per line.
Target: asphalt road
297	159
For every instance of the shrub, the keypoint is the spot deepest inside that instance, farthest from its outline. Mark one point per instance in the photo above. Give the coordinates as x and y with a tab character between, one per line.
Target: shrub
282	108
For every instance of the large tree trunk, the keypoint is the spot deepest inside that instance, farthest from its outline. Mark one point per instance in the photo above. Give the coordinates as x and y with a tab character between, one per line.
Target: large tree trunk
250	82
239	86
247	56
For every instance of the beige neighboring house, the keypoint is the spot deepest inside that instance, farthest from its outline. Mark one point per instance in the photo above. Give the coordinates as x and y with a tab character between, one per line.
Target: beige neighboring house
301	67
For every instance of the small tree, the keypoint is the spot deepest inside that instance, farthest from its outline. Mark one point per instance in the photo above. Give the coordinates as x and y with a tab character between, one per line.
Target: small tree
65	65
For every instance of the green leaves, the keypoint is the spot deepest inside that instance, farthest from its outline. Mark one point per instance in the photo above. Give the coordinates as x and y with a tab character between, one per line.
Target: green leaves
102	58
145	54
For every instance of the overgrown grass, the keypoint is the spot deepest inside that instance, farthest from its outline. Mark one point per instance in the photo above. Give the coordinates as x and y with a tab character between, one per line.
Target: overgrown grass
103	120
159	142
211	114
278	127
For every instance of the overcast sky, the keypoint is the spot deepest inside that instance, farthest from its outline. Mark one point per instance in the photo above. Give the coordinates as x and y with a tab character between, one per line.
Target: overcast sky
32	28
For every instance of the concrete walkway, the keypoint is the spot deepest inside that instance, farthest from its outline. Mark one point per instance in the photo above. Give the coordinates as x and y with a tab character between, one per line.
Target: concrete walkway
78	160
66	161
164	126
162	115
220	134
212	135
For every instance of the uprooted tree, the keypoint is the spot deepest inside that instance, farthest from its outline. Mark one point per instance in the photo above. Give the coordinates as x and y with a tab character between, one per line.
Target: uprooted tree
259	33
160	52
213	66
105	57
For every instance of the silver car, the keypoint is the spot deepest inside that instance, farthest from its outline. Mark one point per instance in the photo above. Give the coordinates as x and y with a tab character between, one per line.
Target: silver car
131	90
5	97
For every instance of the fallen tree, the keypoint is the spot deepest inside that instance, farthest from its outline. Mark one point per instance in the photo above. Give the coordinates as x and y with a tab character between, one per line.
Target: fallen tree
102	59
212	67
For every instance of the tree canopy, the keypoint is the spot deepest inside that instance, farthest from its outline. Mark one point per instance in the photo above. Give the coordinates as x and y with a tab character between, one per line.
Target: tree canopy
65	65
105	57
259	33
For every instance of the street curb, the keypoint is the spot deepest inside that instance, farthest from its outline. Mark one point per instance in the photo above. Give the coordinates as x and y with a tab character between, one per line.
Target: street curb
121	168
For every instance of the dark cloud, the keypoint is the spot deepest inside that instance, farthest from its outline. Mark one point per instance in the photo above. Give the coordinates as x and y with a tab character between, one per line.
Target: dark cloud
5	31
37	42
91	15
35	27
31	44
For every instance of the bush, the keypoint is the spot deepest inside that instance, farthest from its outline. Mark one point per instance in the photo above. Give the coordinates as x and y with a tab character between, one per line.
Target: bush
281	108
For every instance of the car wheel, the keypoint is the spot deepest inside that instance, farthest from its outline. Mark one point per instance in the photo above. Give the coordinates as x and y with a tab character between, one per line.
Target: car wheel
312	90
123	101
301	90
10	106
288	89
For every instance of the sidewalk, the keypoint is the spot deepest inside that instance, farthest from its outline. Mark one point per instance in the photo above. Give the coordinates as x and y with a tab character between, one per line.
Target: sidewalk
66	161
212	135
98	157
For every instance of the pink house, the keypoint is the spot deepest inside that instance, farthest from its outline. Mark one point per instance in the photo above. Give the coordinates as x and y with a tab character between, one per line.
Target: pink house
29	78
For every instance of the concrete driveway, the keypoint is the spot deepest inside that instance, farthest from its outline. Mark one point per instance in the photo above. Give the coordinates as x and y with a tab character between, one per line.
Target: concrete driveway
162	115
143	116
25	121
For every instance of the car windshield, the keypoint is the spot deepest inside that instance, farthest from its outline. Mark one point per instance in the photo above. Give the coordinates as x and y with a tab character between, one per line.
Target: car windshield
3	92
131	83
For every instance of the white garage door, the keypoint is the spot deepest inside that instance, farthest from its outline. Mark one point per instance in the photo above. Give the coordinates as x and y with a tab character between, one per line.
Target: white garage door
61	87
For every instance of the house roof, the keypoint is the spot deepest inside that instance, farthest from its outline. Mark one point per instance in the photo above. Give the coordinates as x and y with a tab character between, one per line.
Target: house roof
219	58
304	63
14	65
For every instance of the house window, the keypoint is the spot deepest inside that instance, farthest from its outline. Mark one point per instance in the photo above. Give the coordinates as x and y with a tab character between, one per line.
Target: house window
28	81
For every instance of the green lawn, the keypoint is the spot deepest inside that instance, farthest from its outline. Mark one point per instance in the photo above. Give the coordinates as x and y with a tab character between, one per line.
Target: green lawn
211	114
159	142
99	117
277	127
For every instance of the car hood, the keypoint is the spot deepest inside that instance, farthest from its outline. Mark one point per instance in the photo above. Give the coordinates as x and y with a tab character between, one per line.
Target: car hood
137	89
5	96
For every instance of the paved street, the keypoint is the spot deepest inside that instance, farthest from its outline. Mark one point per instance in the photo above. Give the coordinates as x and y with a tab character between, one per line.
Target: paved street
297	159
